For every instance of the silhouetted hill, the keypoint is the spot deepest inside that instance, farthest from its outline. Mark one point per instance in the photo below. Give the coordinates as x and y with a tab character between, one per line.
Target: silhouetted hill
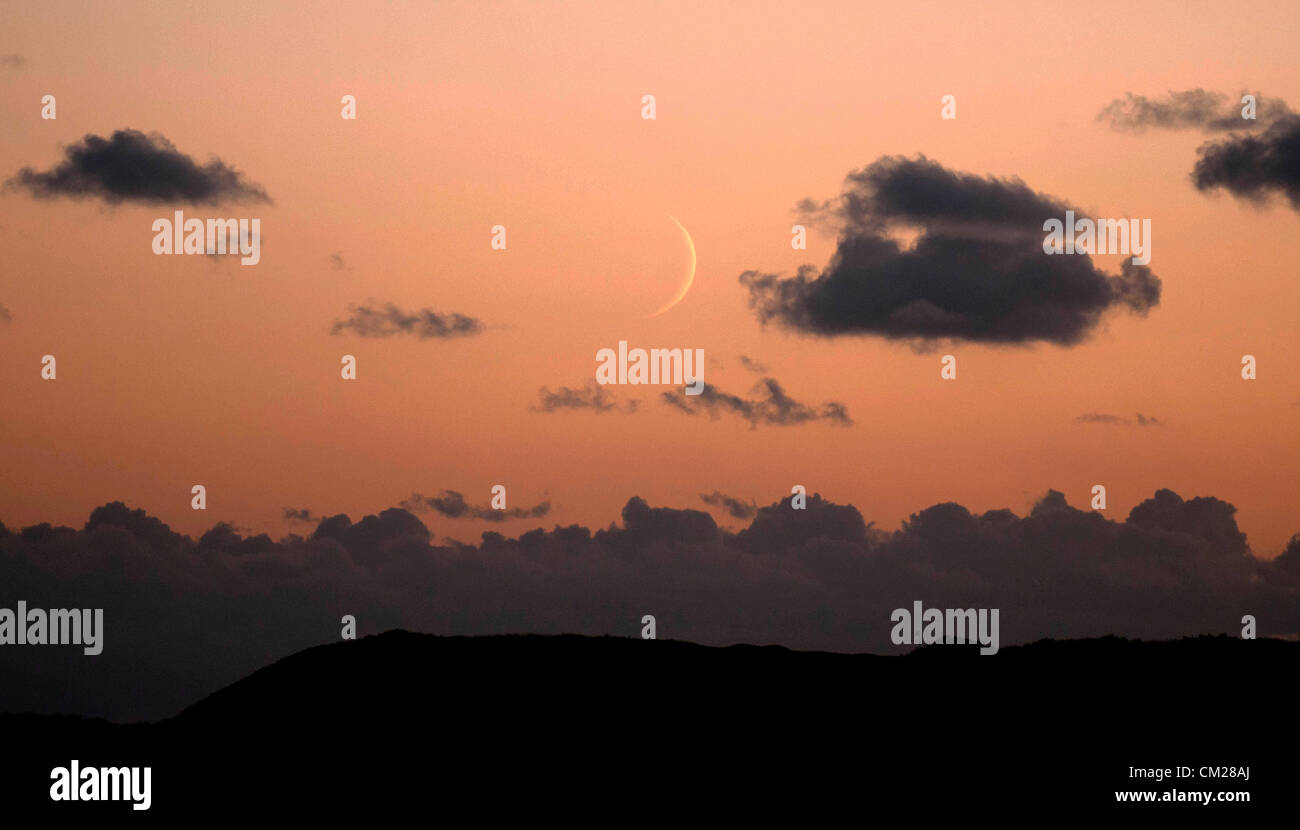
610	731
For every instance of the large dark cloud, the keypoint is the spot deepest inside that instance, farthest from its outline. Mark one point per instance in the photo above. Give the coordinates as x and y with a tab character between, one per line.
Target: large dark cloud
184	617
1254	167
1190	109
976	272
769	405
452	505
130	166
388	321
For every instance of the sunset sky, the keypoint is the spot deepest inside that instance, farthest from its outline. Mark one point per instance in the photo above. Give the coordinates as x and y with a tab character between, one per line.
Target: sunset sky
182	370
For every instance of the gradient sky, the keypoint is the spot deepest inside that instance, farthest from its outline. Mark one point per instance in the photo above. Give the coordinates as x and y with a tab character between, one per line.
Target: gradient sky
178	370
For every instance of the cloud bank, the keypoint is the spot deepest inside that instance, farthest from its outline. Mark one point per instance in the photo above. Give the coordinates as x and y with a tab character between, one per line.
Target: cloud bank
184	617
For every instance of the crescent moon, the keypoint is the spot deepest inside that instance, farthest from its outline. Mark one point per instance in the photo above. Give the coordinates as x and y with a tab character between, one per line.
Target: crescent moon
690	277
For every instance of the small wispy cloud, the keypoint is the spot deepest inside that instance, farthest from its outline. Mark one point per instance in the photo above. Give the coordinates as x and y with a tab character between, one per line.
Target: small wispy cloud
452	505
300	514
390	321
1106	418
593	396
769	405
753	365
737	508
1191	109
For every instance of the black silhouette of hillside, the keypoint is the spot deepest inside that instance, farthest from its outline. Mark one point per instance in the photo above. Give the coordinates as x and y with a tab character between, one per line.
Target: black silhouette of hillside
611	731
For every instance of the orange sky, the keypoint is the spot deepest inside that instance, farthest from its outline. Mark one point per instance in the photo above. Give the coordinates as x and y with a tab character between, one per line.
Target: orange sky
175	370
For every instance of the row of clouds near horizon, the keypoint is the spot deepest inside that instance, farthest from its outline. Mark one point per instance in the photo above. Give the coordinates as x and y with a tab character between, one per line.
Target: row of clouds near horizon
184	618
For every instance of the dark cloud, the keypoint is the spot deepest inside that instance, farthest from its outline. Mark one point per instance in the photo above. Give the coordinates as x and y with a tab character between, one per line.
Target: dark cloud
13	61
1254	167
184	618
770	405
1248	164
1289	561
300	514
593	396
1104	418
780	527
753	365
976	272
426	324
338	263
1190	109
224	538
452	505
736	508
646	528
130	166
5	316
1206	518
